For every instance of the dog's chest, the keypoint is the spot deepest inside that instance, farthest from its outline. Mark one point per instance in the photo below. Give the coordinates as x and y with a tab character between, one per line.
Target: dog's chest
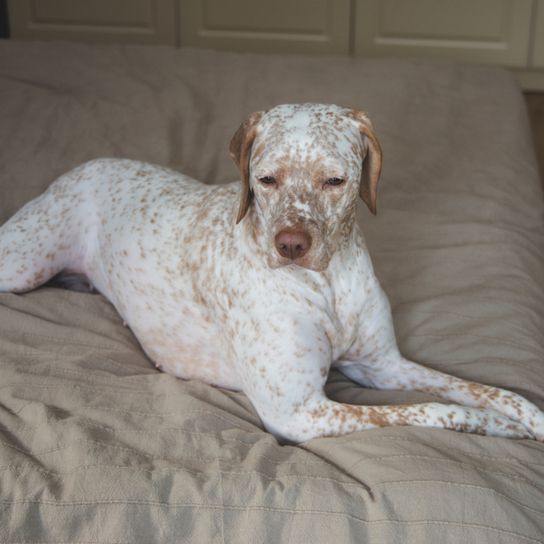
195	323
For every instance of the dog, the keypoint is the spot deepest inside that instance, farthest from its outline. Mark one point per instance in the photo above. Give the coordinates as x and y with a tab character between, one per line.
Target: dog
259	286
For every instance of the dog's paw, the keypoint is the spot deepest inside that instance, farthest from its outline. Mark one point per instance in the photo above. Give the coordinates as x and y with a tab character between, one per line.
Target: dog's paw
536	425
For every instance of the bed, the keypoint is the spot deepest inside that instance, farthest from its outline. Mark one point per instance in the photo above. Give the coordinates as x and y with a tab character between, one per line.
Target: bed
97	446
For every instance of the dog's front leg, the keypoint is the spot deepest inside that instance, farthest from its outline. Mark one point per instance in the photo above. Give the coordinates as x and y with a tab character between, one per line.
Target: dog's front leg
375	361
284	372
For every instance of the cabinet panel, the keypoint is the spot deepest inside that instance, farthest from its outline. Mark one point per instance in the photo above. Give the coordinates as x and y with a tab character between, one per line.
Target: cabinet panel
136	21
305	26
538	45
487	31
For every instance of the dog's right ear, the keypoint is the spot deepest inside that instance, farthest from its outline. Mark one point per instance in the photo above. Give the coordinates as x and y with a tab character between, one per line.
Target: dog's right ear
240	152
372	162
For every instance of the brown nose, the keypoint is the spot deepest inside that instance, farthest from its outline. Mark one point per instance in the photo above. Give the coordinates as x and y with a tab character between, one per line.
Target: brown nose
293	244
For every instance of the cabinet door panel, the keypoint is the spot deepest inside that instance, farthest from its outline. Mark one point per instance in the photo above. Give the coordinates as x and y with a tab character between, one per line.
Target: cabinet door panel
538	45
487	31
282	26
136	21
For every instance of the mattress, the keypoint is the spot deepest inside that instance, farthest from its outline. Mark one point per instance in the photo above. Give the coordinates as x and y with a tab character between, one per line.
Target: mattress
97	446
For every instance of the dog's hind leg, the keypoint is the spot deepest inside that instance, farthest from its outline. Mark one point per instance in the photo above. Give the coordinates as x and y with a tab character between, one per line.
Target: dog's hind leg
40	240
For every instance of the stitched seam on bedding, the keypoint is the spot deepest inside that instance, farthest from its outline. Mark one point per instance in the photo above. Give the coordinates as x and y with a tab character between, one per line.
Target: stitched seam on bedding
195	472
64	542
57	340
18	470
85	374
237	423
71	374
476	457
321	464
222	511
443	313
480	336
512	460
442	460
457	484
281	477
361	438
109	502
277	462
518	362
472	299
85	387
159	458
136	432
32	358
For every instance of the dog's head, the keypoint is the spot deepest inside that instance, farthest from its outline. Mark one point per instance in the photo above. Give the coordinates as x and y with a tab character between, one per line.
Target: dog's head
302	167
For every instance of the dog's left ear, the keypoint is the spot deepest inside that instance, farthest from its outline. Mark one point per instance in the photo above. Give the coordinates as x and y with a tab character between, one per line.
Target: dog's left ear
372	162
240	152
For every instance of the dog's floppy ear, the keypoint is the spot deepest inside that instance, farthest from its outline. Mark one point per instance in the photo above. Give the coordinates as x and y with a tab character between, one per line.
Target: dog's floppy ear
372	162
240	152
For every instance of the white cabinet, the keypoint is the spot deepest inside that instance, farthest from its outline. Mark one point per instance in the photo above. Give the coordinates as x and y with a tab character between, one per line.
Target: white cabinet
503	32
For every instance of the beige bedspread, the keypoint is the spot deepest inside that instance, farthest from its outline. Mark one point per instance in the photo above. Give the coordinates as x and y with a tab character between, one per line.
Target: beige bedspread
98	447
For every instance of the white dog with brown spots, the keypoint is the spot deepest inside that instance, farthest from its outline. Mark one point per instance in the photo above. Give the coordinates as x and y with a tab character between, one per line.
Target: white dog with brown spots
260	286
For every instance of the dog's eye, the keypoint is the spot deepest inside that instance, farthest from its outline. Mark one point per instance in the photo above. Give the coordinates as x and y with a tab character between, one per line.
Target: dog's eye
267	180
334	181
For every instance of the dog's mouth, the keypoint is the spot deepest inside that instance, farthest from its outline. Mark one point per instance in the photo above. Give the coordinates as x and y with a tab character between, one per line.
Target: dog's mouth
309	266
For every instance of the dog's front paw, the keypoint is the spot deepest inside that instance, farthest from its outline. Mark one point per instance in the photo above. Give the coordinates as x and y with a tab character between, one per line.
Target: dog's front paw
531	416
536	424
497	424
520	410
